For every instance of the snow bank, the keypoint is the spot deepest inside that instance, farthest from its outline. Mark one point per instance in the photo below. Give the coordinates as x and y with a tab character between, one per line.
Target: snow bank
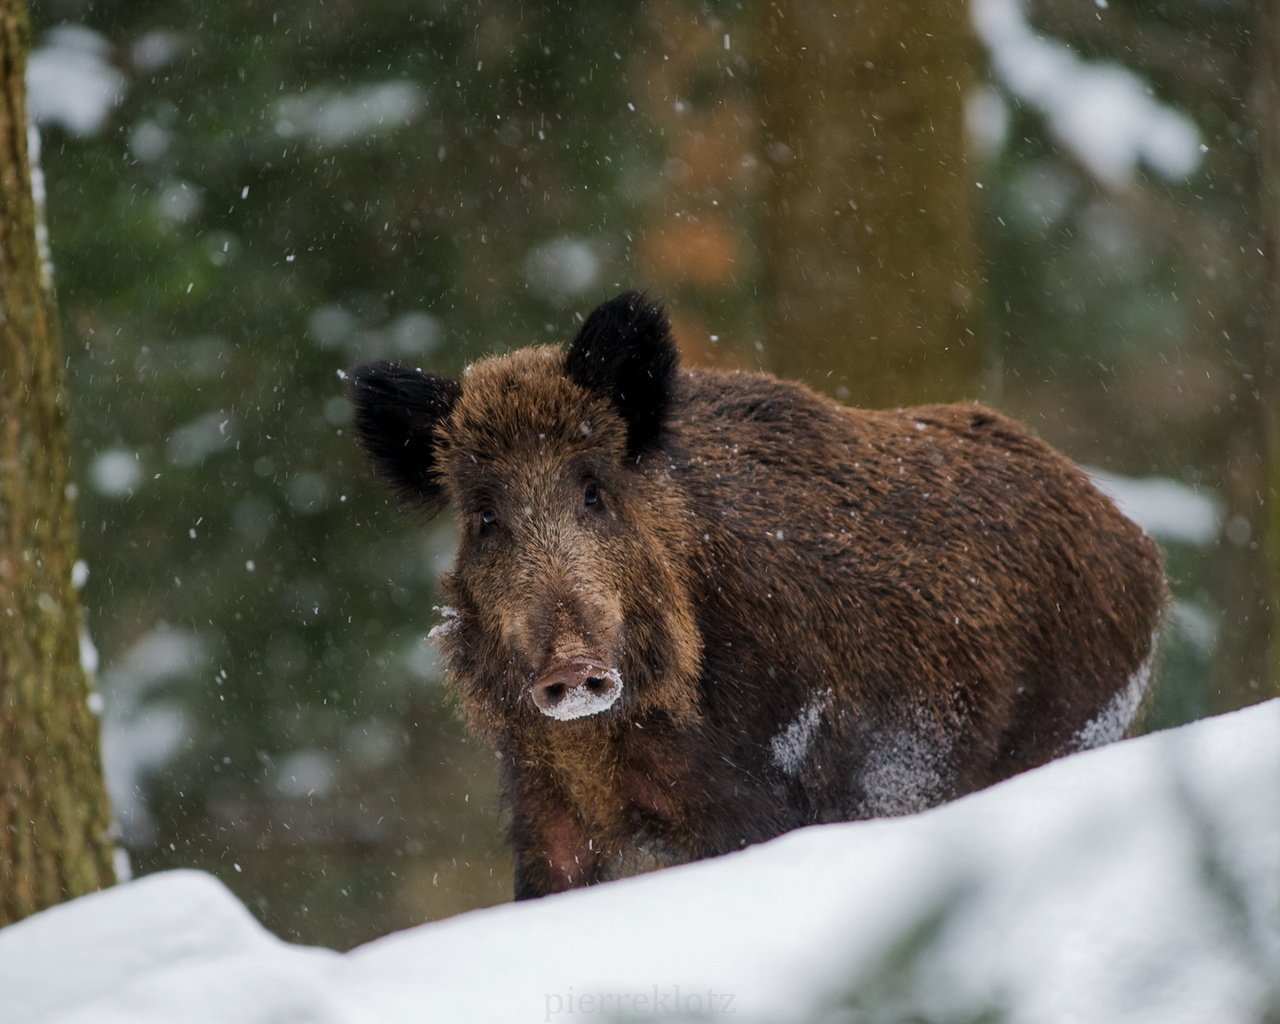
169	947
1139	882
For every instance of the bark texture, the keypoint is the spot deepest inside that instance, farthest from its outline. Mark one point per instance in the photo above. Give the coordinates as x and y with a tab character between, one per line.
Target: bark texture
869	233
54	820
1247	660
1266	111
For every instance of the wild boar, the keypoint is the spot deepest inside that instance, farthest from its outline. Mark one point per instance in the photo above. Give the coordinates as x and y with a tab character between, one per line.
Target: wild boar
693	610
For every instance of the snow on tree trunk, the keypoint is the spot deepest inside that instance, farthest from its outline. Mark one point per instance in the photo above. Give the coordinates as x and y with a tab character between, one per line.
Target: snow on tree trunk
54	820
872	261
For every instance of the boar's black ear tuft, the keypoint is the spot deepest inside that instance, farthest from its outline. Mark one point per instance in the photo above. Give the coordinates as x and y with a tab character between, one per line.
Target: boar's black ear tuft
625	350
397	411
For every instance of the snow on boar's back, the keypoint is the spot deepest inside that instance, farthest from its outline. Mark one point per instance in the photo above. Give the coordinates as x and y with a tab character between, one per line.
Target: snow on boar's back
693	610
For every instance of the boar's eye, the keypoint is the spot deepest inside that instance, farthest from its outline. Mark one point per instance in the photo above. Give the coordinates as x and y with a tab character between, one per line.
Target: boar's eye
488	518
591	494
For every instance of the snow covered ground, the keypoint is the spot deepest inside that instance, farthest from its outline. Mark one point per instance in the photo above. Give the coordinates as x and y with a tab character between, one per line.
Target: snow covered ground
1136	883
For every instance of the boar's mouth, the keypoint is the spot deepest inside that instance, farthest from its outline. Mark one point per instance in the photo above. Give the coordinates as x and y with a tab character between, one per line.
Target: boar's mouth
576	689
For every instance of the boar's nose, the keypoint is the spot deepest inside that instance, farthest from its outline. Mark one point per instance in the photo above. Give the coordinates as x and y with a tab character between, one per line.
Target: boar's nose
576	689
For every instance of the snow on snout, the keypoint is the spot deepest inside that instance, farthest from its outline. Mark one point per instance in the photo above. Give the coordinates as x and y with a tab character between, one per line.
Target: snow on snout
582	702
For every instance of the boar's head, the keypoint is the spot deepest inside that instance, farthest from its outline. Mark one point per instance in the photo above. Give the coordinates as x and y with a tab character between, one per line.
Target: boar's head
570	592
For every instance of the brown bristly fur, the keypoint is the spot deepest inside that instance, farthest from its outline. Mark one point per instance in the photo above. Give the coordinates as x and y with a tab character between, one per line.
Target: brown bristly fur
818	613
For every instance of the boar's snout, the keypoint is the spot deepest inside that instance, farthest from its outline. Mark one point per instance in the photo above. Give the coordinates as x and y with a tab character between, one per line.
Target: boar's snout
576	689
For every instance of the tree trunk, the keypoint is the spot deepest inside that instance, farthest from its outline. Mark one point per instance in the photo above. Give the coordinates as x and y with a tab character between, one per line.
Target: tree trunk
872	261
1266	99
54	821
1245	662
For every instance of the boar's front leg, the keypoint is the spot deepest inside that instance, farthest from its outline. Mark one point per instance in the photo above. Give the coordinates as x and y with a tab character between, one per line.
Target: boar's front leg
551	849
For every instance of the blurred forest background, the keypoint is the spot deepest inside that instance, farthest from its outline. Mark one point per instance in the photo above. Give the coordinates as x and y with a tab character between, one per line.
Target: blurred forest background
1063	208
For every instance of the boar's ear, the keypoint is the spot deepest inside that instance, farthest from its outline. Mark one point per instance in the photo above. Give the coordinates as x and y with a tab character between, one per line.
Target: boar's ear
625	350
396	414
